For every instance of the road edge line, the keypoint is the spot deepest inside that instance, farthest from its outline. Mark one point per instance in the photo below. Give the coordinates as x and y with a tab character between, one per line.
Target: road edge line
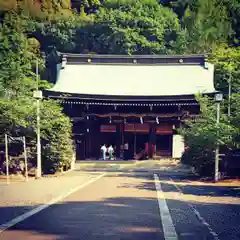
169	230
22	217
198	215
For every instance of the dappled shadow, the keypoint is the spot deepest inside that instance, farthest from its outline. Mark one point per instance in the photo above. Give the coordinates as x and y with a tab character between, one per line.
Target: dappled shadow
192	188
188	216
124	218
204	190
111	218
189	189
148	165
189	184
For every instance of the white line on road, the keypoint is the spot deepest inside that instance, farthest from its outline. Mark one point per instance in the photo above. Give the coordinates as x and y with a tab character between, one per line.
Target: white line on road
26	215
167	223
200	218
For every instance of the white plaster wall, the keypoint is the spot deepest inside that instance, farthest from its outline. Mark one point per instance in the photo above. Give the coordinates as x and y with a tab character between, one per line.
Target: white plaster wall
177	146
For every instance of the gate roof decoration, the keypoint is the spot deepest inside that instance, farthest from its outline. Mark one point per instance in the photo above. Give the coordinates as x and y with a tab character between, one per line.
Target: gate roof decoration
102	77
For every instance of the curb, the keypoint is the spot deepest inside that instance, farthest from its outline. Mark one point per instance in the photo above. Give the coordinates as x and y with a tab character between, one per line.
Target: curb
58	174
14	179
194	172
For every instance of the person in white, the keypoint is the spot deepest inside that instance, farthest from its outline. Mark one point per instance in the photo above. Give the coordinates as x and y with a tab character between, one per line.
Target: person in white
125	151
110	152
104	151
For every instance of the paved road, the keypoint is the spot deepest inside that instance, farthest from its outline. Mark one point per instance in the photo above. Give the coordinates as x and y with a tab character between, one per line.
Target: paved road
126	206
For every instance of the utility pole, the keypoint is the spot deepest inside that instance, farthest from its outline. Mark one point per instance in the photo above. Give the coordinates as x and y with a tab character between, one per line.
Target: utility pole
229	93
217	147
6	156
25	158
38	96
39	160
218	99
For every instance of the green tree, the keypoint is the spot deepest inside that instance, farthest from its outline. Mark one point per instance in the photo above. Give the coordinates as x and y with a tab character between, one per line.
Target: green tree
17	108
8	5
227	64
86	6
44	9
235	118
57	137
59	33
233	7
208	24
203	134
15	56
133	27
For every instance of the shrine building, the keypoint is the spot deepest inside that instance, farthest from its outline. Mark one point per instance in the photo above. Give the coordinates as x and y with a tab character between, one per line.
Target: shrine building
140	100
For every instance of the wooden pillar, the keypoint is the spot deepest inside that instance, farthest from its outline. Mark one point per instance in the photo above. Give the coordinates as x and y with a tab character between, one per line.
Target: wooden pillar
87	144
119	140
87	132
152	140
122	139
135	143
85	147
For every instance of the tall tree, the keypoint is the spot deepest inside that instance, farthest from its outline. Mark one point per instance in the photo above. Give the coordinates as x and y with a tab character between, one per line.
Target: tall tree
133	27
86	6
227	63
233	8
15	55
39	9
17	80
235	118
202	136
208	24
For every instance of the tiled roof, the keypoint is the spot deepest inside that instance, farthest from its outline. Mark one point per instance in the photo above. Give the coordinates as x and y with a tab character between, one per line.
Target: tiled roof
95	77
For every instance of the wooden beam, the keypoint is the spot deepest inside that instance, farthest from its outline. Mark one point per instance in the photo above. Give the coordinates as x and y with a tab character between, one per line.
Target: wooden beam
137	115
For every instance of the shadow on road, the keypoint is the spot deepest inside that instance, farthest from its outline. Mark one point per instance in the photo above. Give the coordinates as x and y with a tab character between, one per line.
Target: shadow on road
135	218
112	218
187	185
123	218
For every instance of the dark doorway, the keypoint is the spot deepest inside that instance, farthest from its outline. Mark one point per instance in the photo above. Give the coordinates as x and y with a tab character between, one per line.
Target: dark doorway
141	140
136	143
108	138
164	145
80	153
129	138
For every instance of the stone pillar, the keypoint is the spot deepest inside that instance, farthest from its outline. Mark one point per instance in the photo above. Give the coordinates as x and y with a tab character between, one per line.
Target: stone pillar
177	146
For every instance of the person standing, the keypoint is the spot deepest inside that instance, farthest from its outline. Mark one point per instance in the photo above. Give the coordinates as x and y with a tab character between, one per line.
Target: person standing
110	152
126	154
121	152
104	151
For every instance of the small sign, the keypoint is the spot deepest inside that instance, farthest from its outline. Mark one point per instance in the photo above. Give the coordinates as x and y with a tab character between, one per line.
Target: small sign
108	128
15	139
142	128
128	127
37	94
164	129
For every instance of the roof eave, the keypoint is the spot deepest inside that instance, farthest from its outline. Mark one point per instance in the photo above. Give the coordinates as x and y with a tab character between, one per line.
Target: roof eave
122	98
136	56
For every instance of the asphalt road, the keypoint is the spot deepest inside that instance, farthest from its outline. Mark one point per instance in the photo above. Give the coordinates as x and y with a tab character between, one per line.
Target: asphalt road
126	206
